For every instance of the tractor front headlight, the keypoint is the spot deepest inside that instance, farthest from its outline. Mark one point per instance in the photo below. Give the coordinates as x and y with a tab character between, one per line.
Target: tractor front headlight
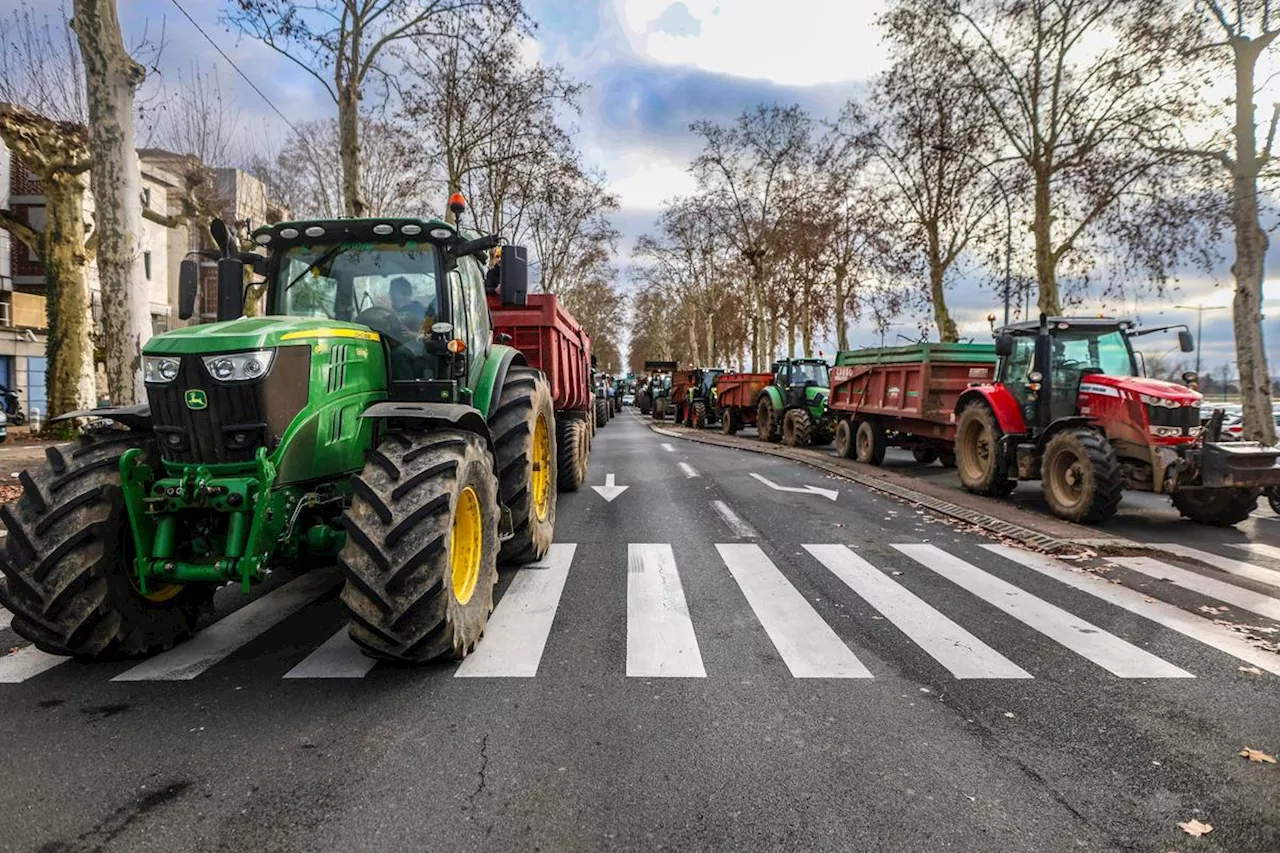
159	369
240	366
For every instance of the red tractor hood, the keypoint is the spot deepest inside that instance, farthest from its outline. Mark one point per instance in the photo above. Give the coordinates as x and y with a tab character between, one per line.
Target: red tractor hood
1137	385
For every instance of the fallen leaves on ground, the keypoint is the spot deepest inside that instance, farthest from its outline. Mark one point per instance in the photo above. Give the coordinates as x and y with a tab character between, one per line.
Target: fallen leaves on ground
1205	608
1195	828
1257	755
9	494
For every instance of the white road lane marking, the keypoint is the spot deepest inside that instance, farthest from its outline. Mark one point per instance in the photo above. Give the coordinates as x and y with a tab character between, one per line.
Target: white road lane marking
808	645
1216	589
962	653
1108	651
1228	565
1174	618
337	657
6	618
185	662
18	667
517	633
1258	548
610	489
660	637
688	470
829	494
739	527
668	447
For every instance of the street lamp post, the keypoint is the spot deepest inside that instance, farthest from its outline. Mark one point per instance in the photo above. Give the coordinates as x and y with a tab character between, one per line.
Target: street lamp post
1008	211
1199	309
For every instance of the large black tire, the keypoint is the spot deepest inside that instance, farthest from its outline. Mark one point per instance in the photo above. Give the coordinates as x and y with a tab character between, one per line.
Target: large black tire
1219	507
1273	498
947	458
602	412
823	434
978	451
1081	476
67	559
405	599
766	421
660	408
729	424
924	455
18	418
844	440
797	428
699	415
523	426
644	403
573	447
869	442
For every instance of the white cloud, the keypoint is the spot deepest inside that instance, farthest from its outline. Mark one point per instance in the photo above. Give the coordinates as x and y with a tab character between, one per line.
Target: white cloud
799	43
644	180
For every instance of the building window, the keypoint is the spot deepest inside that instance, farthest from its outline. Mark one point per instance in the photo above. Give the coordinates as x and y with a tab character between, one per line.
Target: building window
146	264
146	196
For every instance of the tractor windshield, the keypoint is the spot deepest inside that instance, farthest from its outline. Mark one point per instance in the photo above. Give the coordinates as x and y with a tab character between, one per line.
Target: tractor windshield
1078	350
390	287
811	372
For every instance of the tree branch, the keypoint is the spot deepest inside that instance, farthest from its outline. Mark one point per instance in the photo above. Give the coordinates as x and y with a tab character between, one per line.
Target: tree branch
24	232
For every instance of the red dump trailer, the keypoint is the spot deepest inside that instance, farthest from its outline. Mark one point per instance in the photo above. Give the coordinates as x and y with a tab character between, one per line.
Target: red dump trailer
736	397
904	397
555	343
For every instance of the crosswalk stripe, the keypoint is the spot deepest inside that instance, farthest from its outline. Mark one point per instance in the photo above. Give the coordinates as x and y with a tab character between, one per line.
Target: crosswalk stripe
1228	565
807	644
688	470
214	643
517	632
337	657
962	653
660	637
30	661
1170	616
1226	592
739	527
1108	651
1258	548
6	618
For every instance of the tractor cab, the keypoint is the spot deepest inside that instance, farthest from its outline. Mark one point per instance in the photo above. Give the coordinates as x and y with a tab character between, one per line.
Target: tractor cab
801	380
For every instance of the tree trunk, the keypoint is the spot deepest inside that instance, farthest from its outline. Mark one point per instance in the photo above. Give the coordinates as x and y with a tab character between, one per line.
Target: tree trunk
758	334
349	149
1251	251
791	333
70	375
806	324
1042	225
947	332
111	77
842	328
711	337
691	329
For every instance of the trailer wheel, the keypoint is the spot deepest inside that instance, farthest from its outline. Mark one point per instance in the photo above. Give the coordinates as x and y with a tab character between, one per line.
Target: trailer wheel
421	556
869	442
573	447
1219	507
729	421
602	412
523	425
766	424
978	451
947	458
660	408
844	440
924	455
797	428
1081	477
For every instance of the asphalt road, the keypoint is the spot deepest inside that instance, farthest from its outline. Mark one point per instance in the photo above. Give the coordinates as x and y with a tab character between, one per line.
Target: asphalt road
683	673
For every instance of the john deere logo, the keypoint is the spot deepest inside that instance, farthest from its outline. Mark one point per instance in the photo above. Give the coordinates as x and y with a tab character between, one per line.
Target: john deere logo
196	399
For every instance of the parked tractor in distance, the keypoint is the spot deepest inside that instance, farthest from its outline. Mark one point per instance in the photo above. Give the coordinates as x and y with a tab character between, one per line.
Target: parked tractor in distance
603	404
1069	407
793	407
691	392
366	417
737	398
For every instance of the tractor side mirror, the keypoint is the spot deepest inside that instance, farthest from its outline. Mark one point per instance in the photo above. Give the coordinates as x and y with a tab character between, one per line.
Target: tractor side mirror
188	286
1004	345
1185	342
230	288
513	275
221	234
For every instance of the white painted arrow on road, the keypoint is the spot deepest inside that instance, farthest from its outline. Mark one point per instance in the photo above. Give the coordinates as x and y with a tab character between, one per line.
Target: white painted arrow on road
829	494
609	491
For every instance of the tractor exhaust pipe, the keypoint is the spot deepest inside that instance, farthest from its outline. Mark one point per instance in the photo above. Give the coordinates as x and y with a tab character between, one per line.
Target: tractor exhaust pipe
1044	365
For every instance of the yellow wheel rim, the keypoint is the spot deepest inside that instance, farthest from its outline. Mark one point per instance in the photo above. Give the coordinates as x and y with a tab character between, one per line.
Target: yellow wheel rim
465	545
164	593
541	477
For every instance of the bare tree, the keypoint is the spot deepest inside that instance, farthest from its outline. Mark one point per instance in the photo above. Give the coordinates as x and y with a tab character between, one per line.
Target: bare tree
111	78
569	227
341	44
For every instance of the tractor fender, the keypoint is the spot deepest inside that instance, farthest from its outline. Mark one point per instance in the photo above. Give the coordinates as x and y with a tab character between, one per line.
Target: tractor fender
1000	401
489	387
774	395
420	415
1061	424
136	418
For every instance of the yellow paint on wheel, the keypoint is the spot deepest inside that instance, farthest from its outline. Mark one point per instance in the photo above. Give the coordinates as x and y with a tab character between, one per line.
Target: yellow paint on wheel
540	479
465	543
164	593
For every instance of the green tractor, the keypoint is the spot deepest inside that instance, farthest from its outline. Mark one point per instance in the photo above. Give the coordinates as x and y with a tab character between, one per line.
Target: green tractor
793	408
366	417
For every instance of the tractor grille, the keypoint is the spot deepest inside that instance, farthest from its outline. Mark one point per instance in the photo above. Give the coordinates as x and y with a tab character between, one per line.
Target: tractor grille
239	418
1186	417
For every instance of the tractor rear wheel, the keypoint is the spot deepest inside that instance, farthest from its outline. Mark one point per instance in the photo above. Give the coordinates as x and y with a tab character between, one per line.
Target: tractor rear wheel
67	559
978	451
1219	507
766	421
421	556
602	412
844	440
523	425
797	428
924	455
1081	476
869	443
573	447
699	416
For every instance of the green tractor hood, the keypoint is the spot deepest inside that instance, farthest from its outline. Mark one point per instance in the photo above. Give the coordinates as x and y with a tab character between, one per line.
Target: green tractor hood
816	399
248	333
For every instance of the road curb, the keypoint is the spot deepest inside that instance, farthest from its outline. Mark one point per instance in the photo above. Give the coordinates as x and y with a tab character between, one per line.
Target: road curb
990	523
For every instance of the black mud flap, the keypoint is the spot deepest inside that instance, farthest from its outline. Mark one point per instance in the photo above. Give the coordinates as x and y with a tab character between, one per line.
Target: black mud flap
506	527
1239	464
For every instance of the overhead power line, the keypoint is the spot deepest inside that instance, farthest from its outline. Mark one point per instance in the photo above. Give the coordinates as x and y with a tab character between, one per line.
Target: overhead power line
223	54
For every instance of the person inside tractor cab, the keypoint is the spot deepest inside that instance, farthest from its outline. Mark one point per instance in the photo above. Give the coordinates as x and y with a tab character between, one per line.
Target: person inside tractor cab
805	374
412	313
493	275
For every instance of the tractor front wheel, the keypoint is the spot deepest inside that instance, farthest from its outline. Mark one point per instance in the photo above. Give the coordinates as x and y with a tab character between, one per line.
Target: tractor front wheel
978	451
699	416
523	426
797	428
870	443
1081	477
67	559
1219	507
421	556
573	446
766	418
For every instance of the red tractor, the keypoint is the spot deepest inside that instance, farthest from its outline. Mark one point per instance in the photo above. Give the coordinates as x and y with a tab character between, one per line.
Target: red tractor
1070	408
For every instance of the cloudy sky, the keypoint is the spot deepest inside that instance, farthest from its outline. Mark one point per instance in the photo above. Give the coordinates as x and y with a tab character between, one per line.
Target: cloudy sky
654	66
